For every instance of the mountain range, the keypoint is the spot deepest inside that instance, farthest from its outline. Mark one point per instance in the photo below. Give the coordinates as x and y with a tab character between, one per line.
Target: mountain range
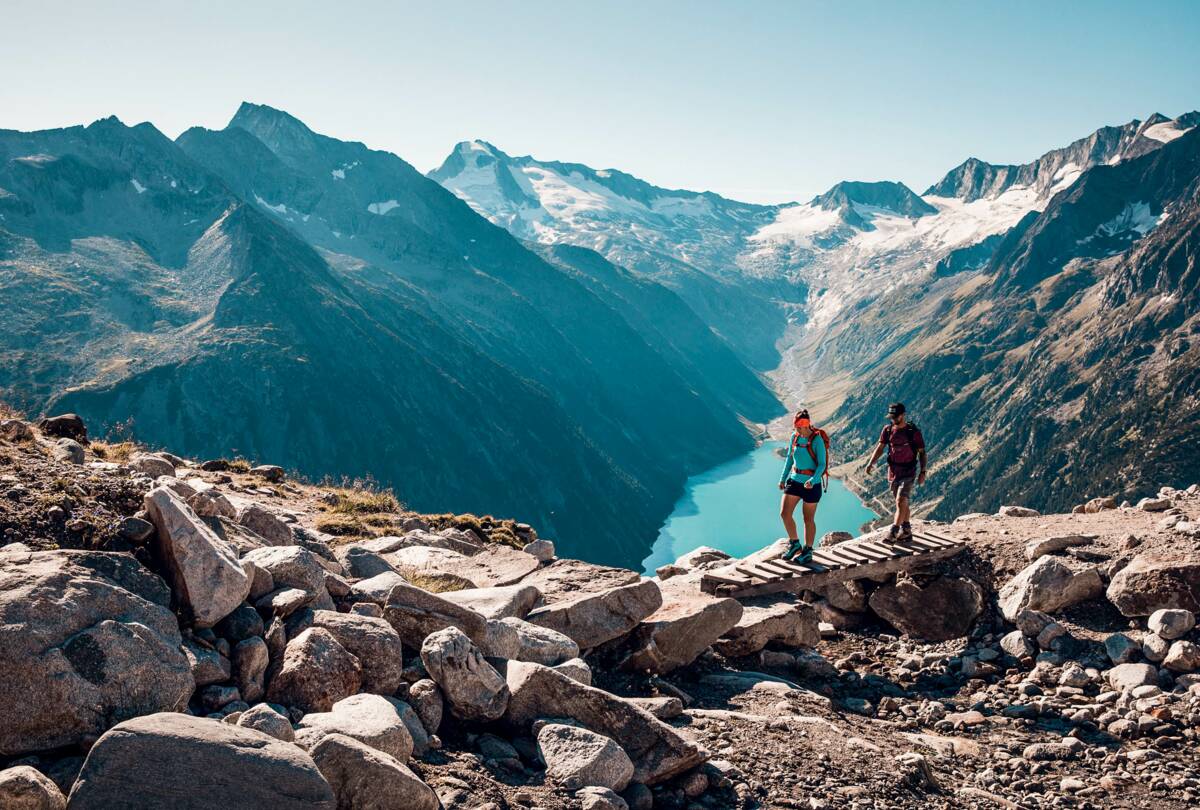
268	291
519	336
1029	314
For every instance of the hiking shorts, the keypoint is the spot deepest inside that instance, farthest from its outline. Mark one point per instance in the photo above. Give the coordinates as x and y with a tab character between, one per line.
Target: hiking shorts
807	494
902	487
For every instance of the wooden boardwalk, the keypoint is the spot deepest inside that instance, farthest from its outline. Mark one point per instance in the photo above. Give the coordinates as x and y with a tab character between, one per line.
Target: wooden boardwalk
853	559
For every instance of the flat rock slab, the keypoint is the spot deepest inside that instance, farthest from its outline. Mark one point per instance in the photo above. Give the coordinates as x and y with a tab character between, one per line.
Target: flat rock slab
191	763
658	751
566	579
492	566
683	627
779	618
597	617
505	602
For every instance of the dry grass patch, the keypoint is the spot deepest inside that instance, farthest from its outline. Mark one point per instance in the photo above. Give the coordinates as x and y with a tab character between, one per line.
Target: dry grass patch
362	500
9	412
117	452
487	528
433	582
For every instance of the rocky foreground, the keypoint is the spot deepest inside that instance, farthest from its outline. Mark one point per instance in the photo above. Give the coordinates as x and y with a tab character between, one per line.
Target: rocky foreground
209	634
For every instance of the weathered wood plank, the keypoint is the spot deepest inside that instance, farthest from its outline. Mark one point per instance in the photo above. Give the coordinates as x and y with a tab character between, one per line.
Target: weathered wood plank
839	571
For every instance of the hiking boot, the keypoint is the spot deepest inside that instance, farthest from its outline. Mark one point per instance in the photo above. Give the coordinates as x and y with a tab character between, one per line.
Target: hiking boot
804	556
905	532
893	534
792	549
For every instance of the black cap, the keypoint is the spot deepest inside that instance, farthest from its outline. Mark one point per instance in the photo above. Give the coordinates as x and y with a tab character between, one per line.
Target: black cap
895	409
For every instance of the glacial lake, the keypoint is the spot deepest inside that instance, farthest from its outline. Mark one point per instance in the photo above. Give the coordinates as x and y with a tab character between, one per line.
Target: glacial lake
735	507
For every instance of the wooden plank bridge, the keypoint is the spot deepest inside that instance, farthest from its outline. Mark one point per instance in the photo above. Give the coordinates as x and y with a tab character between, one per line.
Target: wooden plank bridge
854	559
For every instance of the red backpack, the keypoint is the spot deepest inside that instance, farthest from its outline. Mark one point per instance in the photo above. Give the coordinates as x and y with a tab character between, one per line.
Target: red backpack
817	432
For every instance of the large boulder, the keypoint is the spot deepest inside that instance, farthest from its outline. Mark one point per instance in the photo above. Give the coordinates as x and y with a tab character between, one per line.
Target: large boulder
1171	623
1049	585
206	577
26	788
1183	656
566	579
937	610
1156	580
250	659
1124	677
64	426
373	641
152	465
658	751
415	613
375	589
364	778
541	645
265	719
371	719
426	699
189	763
594	618
290	567
472	686
576	758
316	672
688	622
360	562
503	602
87	640
266	524
781	619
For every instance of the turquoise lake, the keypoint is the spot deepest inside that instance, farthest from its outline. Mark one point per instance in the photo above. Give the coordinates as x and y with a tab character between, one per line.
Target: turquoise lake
735	507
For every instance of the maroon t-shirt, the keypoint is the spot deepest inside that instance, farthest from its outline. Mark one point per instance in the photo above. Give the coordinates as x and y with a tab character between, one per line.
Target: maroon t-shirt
903	445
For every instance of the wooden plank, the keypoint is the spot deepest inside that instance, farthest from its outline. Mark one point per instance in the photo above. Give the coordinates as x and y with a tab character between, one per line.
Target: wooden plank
776	566
848	550
724	580
741	569
764	571
871	553
840	573
844	559
889	551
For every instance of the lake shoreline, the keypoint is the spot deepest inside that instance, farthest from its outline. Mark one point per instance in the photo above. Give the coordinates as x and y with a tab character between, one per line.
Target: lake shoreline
734	507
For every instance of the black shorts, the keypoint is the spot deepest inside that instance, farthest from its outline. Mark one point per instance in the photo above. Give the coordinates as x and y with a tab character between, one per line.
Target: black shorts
807	494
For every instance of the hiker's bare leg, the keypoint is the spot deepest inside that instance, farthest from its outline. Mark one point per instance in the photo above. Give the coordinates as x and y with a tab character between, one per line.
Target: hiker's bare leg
901	509
787	511
810	523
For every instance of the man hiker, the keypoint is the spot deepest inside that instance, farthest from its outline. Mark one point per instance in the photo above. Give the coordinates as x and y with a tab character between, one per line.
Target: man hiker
906	450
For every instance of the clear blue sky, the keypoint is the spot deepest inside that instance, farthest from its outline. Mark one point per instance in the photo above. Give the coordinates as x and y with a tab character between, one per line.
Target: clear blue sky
764	101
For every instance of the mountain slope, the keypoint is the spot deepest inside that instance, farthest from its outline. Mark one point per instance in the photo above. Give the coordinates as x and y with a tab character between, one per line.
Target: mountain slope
371	322
686	240
1068	366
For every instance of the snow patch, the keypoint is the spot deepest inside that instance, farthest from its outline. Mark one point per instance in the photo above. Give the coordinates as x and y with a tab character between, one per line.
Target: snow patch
280	209
1165	132
138	187
382	208
1134	217
339	174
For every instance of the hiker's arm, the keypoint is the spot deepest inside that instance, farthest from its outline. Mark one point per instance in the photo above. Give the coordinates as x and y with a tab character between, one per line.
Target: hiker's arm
921	459
787	465
819	467
875	457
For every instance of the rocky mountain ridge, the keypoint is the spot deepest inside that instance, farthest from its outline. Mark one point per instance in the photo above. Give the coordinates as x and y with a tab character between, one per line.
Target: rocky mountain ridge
189	633
186	285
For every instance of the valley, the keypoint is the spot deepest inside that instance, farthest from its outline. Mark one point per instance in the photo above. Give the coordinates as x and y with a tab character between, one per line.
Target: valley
520	336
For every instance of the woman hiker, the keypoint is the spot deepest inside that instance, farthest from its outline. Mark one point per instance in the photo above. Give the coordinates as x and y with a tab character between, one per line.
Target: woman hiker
803	468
